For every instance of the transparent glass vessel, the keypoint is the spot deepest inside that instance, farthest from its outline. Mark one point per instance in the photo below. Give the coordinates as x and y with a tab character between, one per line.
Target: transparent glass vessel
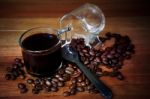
85	22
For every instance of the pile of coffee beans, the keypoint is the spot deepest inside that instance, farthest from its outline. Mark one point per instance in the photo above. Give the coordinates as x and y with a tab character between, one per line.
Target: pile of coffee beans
16	70
95	58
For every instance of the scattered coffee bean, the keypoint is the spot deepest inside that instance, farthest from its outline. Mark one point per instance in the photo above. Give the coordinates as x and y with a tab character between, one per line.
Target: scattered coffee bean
69	70
90	87
54	89
24	90
87	82
35	91
8	76
48	83
83	84
80	89
47	88
61	71
74	80
13	77
55	80
37	81
30	81
21	85
22	76
66	93
18	60
72	86
60	84
80	79
120	76
73	91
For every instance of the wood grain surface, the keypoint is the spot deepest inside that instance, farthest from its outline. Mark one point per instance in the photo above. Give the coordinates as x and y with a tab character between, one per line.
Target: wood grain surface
122	17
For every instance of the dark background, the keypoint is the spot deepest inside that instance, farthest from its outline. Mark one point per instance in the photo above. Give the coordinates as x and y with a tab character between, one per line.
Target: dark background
57	8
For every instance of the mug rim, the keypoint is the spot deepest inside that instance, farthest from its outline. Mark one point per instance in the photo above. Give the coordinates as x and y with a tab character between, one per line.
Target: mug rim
38	51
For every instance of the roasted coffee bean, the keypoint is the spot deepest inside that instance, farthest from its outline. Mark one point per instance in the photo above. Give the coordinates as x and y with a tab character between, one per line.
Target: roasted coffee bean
38	86
80	89
92	53
47	88
66	93
65	77
113	51
61	84
84	51
61	71
73	86
81	53
22	76
70	65
117	55
20	64
15	66
48	83
97	59
83	84
37	81
119	64
35	91
57	75
87	82
97	54
55	84
115	61
108	35
54	89
120	76
62	78
73	91
87	54
55	79
80	79
99	72
94	91
18	60
69	70
15	73
13	77
76	73
110	56
23	90
21	71
90	87
8	76
74	80
86	62
105	60
91	58
30	81
21	85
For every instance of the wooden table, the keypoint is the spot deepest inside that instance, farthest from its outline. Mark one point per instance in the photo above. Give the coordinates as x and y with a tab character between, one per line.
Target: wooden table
136	71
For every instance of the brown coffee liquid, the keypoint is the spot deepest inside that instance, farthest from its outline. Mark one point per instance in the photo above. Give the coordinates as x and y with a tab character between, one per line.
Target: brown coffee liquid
44	63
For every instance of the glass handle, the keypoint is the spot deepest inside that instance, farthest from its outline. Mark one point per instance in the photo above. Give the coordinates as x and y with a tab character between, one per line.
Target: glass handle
63	30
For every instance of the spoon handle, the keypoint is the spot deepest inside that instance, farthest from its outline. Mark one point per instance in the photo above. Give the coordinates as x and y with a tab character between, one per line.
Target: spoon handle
105	91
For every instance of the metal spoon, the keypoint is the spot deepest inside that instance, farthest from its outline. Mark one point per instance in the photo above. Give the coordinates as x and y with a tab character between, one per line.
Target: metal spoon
71	55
